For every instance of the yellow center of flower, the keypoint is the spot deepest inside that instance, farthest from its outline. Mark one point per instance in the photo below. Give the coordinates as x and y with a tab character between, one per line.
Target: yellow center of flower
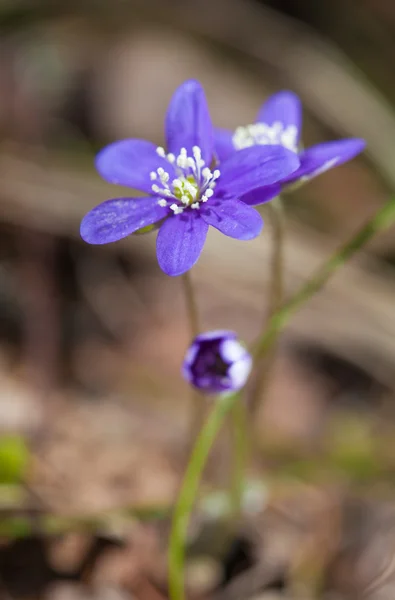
188	190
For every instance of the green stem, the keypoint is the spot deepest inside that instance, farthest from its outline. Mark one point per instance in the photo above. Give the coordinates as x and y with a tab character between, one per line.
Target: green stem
276	293
381	220
198	404
191	305
188	493
240	455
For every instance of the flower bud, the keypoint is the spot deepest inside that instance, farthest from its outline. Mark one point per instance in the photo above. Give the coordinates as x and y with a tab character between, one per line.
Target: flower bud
217	362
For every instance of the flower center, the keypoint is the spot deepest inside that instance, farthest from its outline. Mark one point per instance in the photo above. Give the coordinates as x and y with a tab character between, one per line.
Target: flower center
263	134
193	185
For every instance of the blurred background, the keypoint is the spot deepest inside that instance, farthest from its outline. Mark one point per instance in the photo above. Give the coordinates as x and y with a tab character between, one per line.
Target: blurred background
93	412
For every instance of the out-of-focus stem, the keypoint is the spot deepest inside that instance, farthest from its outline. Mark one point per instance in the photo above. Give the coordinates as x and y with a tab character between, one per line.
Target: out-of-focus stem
240	449
191	305
276	291
197	401
189	490
381	220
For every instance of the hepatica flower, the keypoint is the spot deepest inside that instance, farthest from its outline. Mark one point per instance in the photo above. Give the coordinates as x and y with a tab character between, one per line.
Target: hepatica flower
279	122
186	191
217	362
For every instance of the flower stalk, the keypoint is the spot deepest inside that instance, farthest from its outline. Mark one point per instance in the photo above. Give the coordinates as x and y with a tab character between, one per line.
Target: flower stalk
198	404
191	304
189	490
240	457
276	293
380	221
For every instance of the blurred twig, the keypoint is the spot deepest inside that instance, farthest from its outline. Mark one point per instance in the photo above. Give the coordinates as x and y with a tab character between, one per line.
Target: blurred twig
381	220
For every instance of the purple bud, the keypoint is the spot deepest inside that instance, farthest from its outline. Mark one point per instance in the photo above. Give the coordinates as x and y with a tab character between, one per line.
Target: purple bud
217	362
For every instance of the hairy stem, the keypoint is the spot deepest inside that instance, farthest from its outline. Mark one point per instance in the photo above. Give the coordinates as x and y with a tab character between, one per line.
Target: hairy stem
191	305
198	404
240	455
381	220
276	292
188	493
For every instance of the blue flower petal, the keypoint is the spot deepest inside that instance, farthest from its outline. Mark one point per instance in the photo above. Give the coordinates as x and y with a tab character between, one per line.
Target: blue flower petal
233	218
322	157
188	121
255	167
130	162
284	107
115	219
223	143
217	362
180	241
261	195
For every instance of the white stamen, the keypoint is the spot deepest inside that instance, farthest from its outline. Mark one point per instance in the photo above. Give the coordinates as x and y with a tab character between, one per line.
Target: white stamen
197	153
163	176
193	184
182	161
176	209
264	134
192	189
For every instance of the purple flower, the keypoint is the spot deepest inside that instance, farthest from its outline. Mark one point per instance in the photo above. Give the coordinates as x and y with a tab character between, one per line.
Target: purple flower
186	194
279	121
217	362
